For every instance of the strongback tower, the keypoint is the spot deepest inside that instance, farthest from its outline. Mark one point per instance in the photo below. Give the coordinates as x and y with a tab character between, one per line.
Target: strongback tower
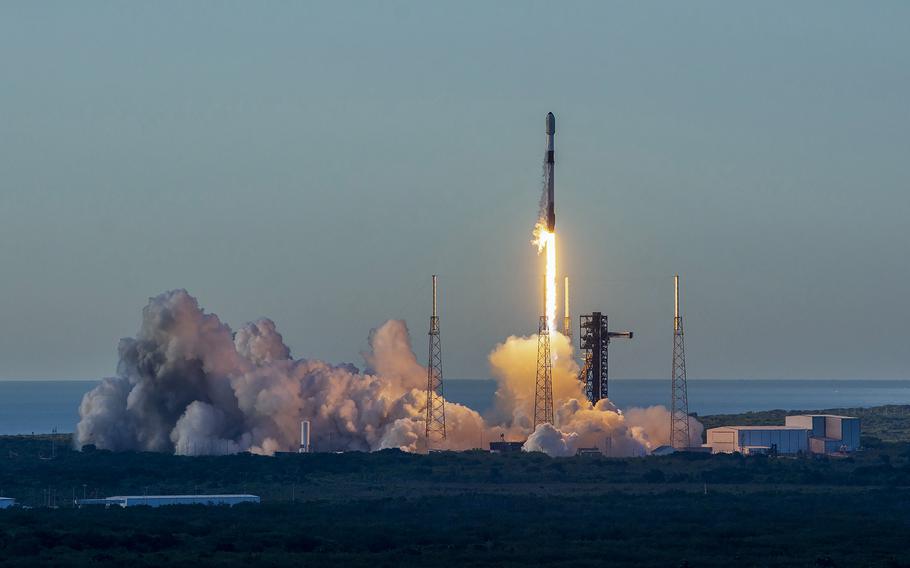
679	412
543	385
594	338
436	410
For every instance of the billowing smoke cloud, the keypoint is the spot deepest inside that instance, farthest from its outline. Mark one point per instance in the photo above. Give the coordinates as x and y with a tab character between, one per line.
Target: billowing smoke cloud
579	424
187	384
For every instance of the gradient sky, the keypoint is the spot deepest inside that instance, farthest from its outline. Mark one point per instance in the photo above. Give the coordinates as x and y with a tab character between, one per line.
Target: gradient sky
315	163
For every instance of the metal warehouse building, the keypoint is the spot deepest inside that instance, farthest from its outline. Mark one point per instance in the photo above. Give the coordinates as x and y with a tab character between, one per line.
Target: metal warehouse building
829	433
165	500
758	439
809	433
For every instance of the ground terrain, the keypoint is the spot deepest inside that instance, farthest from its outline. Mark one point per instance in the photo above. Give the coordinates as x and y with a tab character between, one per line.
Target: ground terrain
474	508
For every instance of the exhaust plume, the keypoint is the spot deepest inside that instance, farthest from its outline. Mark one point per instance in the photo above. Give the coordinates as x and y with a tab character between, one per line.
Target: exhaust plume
188	384
579	424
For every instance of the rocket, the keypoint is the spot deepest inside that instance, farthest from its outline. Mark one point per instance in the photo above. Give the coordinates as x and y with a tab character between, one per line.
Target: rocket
551	201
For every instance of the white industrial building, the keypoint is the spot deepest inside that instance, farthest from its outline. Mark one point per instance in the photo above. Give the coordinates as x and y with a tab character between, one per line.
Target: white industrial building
806	433
758	439
165	500
7	502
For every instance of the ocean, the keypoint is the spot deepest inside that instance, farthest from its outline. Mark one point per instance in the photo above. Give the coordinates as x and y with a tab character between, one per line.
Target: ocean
41	406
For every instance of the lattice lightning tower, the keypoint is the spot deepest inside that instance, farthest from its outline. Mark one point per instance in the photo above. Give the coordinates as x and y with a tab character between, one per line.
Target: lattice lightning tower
679	413
436	410
543	388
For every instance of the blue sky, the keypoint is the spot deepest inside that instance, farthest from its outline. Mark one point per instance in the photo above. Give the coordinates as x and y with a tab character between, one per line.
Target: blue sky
316	162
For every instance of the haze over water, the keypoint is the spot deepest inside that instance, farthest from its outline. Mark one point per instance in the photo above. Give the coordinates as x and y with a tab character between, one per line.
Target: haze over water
41	406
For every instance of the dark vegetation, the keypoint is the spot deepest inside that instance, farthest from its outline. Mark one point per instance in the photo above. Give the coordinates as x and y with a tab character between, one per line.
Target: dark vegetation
473	508
769	528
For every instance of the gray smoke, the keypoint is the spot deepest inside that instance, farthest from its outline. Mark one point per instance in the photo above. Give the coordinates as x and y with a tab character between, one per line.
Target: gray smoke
186	384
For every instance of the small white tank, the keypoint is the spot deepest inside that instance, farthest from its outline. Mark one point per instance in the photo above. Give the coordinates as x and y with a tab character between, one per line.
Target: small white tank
304	437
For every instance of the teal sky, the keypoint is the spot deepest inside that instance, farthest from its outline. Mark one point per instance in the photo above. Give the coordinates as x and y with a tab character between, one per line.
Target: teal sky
315	163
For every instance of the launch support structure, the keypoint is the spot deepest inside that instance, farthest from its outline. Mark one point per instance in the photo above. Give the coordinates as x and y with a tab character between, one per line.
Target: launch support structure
543	384
679	402
436	410
594	337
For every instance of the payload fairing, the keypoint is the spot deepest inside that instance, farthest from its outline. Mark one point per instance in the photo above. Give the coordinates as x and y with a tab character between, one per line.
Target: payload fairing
551	206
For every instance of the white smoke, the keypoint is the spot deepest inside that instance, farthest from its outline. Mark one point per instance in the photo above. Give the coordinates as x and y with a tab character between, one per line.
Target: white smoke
187	384
579	424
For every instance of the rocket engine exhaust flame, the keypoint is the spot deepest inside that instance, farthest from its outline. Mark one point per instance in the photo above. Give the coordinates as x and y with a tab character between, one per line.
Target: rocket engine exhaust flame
545	242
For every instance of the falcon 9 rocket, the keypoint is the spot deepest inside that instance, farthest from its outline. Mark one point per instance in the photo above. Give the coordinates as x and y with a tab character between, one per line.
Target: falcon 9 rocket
551	208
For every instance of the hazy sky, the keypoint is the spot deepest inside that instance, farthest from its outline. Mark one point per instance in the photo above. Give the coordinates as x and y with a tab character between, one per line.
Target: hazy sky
315	163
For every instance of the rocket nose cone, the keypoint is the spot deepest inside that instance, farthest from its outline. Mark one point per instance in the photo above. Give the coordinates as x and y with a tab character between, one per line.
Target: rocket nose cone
551	123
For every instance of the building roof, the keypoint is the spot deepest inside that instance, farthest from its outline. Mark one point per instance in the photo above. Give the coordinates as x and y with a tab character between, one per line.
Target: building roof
828	416
191	496
760	428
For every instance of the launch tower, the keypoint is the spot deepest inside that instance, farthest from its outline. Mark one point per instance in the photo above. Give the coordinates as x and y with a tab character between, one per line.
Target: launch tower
543	391
679	404
594	337
543	384
436	410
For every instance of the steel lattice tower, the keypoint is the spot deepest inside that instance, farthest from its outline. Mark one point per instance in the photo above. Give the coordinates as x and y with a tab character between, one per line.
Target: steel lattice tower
543	391
436	409
679	413
594	337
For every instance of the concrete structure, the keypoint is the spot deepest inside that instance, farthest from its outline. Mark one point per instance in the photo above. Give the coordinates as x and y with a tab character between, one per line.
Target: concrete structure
7	502
165	500
830	433
758	439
